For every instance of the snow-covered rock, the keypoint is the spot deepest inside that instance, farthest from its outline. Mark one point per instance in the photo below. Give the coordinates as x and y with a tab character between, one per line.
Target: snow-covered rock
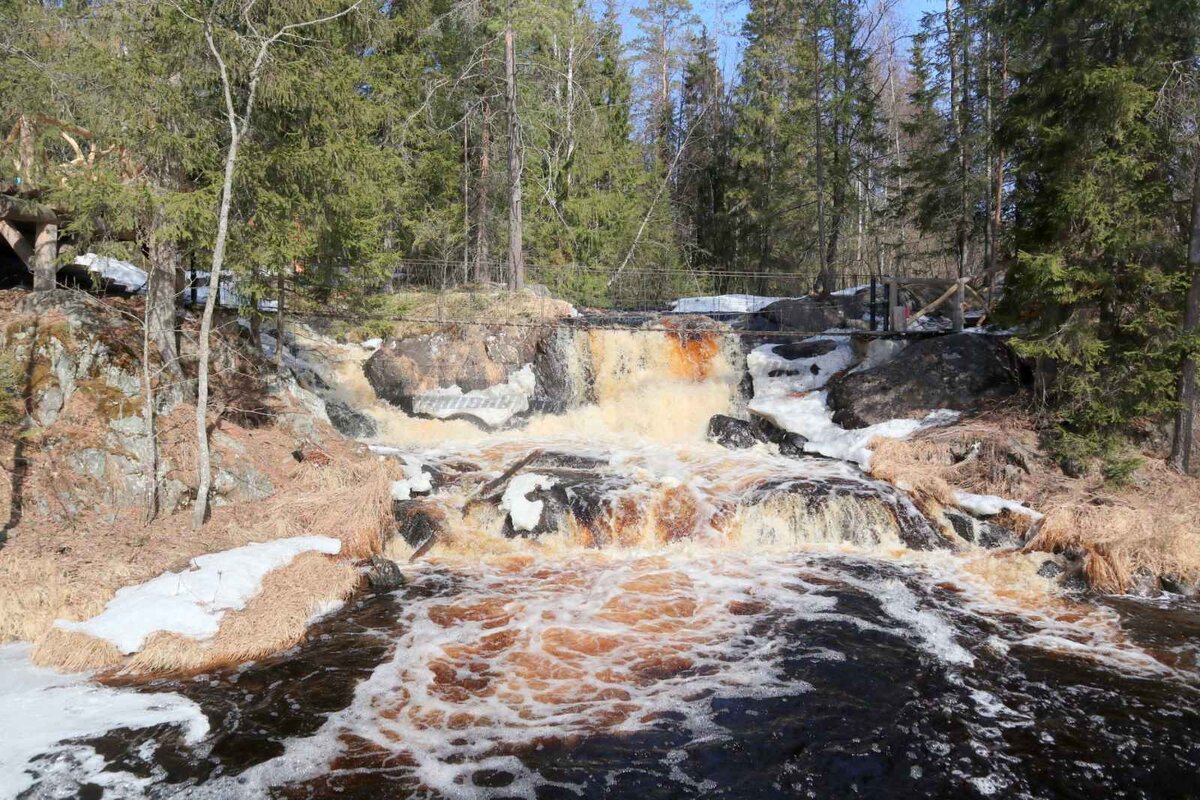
525	513
989	505
193	601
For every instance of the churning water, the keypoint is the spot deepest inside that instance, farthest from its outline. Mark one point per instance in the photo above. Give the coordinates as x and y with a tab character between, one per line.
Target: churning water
692	622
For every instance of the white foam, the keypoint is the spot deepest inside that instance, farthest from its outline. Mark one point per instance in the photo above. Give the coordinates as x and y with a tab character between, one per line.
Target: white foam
193	601
43	709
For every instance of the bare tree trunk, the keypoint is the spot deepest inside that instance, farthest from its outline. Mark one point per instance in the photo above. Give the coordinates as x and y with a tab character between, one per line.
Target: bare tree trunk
1185	418
483	267
236	132
825	278
203	458
516	255
280	287
154	281
958	109
466	200
165	263
45	257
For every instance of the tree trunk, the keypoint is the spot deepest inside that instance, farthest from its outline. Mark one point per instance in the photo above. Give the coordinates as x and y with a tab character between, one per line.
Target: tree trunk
203	458
1185	418
280	287
165	263
516	255
957	122
154	280
825	278
45	257
483	266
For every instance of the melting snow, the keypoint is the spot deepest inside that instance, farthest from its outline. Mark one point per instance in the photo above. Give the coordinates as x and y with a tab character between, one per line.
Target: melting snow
790	400
727	303
192	602
416	479
523	512
113	270
43	710
988	505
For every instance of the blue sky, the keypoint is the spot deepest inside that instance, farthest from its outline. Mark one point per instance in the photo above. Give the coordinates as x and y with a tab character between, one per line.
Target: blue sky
723	18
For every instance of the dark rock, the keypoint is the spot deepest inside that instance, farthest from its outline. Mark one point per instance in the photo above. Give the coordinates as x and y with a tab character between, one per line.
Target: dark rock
1175	586
384	575
734	433
1050	569
348	421
912	528
556	390
808	349
982	532
958	372
552	458
790	444
473	357
418	521
801	314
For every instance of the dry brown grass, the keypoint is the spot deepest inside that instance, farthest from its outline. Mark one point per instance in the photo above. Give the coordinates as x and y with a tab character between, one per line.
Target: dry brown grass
1151	525
49	573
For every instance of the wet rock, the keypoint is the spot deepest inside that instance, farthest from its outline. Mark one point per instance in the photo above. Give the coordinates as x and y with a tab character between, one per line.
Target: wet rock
959	372
981	532
1050	569
348	421
790	444
551	458
1145	584
807	349
807	314
561	383
823	493
1174	585
471	358
383	575
417	521
734	433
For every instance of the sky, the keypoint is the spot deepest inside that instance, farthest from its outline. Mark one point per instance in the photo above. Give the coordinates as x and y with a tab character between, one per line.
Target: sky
723	18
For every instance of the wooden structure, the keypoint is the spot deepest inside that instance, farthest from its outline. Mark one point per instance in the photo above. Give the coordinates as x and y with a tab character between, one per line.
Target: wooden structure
896	316
39	252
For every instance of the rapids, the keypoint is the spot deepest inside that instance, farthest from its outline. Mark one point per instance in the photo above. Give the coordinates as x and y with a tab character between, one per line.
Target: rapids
685	621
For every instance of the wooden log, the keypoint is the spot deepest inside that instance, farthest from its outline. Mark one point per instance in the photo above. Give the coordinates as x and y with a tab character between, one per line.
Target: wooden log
17	241
17	210
45	258
940	299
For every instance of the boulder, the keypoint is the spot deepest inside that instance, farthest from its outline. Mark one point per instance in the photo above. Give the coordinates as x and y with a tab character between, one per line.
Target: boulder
349	421
982	532
959	372
471	357
808	314
383	575
790	444
734	433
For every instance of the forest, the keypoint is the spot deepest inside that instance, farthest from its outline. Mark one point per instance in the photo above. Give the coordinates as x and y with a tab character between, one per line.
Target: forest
339	149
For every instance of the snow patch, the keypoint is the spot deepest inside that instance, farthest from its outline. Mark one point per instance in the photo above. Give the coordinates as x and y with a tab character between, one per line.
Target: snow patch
113	270
523	512
371	344
193	601
989	505
43	710
722	303
797	374
416	480
809	416
492	406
